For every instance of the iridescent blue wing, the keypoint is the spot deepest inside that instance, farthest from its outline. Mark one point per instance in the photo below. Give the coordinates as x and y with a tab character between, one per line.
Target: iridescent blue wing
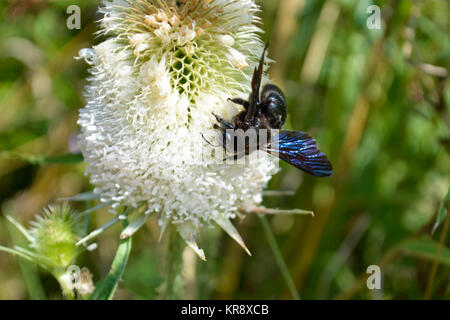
300	150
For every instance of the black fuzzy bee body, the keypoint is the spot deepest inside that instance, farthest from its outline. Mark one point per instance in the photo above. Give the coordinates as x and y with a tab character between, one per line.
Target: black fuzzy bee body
273	105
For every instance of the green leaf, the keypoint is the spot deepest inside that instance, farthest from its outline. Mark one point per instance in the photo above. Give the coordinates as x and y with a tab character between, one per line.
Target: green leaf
442	212
426	249
37	160
106	290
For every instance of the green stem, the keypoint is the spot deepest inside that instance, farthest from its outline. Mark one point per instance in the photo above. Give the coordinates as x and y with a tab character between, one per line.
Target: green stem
279	257
172	286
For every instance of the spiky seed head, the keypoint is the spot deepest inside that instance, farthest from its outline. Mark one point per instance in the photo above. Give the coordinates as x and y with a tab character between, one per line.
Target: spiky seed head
55	233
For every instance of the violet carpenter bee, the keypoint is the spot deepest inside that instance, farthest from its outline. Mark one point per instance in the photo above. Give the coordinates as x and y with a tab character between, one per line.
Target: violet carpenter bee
263	113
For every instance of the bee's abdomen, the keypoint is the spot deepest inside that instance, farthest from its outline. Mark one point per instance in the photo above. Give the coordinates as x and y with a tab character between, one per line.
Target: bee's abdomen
273	105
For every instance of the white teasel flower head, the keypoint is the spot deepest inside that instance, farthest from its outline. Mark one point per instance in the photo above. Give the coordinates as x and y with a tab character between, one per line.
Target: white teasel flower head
164	67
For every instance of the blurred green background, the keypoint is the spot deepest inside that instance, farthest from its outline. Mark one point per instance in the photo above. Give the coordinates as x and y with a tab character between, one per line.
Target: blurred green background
377	101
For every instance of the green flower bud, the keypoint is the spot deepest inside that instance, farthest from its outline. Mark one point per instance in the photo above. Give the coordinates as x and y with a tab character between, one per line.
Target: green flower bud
55	234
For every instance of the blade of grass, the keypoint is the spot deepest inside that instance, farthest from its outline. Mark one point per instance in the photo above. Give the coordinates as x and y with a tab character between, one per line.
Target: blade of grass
107	289
440	252
442	212
427	249
279	258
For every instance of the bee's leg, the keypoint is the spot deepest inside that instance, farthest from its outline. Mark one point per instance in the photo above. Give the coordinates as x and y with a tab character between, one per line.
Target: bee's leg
225	124
240	101
215	146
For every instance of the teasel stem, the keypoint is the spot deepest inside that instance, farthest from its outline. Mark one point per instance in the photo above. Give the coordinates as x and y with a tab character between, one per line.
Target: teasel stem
172	287
279	257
